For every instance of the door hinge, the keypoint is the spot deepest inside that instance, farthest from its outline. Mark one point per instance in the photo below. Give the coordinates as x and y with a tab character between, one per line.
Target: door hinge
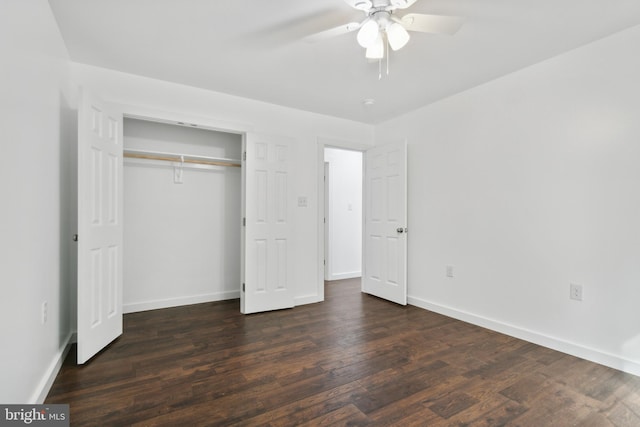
244	221
243	287
244	155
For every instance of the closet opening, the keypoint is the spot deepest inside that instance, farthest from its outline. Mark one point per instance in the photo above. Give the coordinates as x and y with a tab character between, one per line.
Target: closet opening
182	198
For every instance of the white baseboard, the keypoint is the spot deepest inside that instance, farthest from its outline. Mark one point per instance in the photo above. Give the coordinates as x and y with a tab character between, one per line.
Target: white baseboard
41	392
347	275
578	350
176	302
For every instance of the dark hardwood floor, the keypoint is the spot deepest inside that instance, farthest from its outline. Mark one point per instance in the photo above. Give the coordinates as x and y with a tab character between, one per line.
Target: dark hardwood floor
352	360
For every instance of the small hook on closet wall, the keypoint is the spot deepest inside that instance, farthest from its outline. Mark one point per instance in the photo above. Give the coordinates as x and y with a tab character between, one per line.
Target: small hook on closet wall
177	172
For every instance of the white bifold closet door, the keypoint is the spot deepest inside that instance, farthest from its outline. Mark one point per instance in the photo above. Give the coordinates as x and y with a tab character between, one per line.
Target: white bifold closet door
99	225
267	246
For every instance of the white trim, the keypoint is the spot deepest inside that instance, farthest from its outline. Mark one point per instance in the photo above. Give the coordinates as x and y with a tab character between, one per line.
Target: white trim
321	229
43	388
347	275
326	218
578	350
176	302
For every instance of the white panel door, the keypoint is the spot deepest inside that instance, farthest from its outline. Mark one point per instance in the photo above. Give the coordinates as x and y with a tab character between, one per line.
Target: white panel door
267	236
99	226
385	242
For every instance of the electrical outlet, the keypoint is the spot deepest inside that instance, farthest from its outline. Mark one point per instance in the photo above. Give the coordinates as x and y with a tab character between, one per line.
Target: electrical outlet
449	270
45	309
575	292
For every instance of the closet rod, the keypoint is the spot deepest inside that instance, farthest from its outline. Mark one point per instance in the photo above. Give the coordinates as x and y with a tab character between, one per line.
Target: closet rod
180	158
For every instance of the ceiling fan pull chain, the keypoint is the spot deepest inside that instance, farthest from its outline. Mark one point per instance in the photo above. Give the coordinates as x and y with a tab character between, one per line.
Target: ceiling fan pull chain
387	56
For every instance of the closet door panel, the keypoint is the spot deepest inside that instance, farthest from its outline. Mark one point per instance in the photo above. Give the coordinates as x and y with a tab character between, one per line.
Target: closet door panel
99	226
267	235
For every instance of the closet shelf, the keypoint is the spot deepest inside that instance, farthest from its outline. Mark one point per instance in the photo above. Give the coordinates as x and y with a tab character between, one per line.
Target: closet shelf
181	158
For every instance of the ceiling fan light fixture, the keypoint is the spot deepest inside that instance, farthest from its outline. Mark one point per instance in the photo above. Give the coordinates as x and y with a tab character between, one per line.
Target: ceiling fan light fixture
398	37
368	33
376	50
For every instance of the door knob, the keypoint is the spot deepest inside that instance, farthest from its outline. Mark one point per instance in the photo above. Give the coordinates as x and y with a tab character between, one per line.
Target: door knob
400	230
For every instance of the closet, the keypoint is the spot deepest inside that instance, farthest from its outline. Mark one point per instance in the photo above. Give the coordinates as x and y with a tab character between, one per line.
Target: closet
182	215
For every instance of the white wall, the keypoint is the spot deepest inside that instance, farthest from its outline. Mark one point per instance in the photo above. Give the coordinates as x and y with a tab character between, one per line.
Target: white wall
344	221
182	241
222	111
38	146
525	185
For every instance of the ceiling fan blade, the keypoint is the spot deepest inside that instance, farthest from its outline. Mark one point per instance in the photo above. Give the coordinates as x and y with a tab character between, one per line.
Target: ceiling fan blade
278	33
434	24
402	4
332	32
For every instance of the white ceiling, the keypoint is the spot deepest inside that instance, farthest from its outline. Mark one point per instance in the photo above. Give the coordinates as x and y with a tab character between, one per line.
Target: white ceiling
252	48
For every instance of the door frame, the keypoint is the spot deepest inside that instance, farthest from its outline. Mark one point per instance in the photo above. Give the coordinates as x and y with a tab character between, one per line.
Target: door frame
326	222
324	142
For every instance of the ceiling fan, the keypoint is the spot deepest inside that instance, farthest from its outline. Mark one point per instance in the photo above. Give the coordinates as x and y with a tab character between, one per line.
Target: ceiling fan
382	27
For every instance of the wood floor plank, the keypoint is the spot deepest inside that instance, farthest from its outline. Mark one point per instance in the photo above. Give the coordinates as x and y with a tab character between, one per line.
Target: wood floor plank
489	414
351	360
308	408
340	416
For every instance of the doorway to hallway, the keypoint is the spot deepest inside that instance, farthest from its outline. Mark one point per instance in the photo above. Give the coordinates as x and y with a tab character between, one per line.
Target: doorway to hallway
343	213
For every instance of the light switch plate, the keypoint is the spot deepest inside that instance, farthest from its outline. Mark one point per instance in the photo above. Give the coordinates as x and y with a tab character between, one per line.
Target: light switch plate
449	271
